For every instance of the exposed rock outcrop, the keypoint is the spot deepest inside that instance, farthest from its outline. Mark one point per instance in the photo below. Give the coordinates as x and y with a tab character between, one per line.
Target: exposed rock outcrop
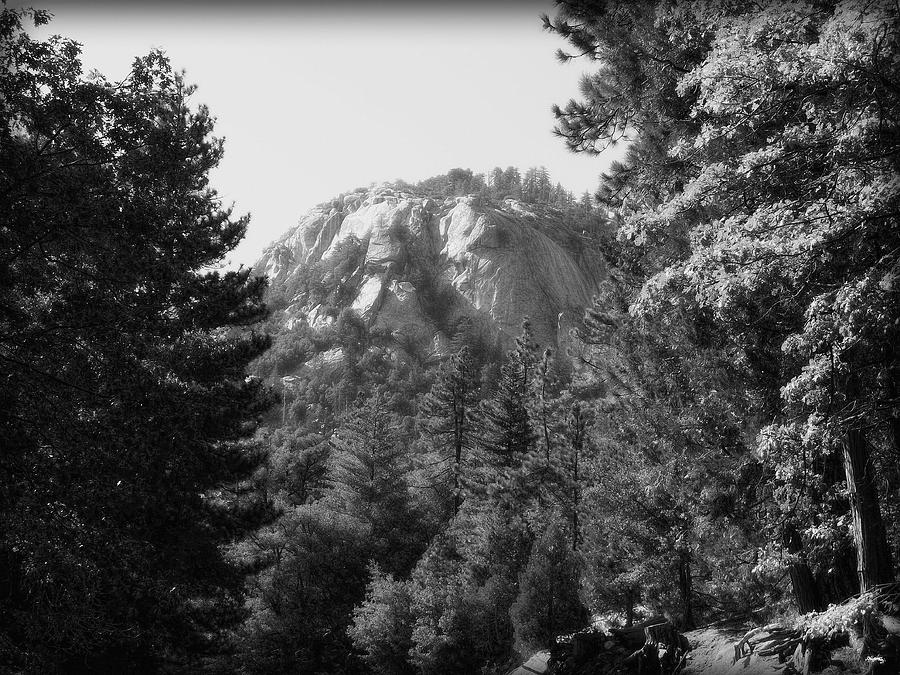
431	263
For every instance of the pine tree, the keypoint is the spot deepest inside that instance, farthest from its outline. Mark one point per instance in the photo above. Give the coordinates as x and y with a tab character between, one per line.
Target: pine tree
122	364
530	186
586	202
571	471
497	185
670	450
541	469
310	572
369	468
478	185
508	432
744	215
543	186
459	181
506	427
383	623
297	465
512	183
548	602
448	412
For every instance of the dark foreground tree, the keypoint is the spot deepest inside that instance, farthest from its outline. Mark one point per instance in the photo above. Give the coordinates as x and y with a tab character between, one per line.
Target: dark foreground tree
122	382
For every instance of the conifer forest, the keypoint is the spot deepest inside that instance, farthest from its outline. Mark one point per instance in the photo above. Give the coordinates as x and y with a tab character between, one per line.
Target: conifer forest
474	423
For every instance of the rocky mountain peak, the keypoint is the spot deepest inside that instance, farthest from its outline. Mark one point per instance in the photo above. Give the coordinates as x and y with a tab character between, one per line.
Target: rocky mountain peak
418	266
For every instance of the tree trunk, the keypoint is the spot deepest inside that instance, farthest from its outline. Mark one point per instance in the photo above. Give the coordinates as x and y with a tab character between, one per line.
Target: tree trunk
459	423
575	522
629	607
457	467
839	580
873	557
551	619
685	583
575	431
891	357
576	490
803	583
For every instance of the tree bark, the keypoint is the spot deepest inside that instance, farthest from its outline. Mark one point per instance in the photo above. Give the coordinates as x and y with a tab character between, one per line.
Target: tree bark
839	580
873	558
803	583
577	444
457	464
685	585
629	607
459	431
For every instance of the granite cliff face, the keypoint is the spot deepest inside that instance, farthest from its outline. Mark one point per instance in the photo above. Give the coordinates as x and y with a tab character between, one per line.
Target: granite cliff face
428	265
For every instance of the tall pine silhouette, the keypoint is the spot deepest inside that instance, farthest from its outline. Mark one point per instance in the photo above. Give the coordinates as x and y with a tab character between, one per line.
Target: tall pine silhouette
122	364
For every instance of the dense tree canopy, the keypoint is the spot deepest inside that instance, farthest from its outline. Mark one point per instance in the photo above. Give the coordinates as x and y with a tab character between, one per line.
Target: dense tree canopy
759	196
122	366
716	439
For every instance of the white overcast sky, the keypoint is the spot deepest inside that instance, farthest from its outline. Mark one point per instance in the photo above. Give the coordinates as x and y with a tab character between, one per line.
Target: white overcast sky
314	100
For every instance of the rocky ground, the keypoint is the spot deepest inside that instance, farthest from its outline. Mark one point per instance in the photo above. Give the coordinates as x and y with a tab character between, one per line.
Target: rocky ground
713	653
657	649
711	649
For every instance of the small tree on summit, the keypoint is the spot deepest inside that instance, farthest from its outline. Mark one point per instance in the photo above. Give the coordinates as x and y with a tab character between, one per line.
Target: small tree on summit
512	183
459	181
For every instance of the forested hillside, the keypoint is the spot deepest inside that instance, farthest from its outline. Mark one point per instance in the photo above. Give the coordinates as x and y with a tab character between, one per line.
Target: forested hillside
716	439
408	436
441	426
